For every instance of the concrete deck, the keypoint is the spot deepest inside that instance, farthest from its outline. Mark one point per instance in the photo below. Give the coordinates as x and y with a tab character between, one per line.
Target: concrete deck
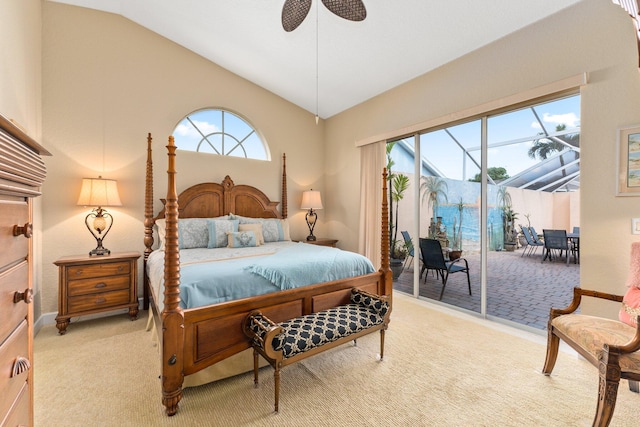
519	289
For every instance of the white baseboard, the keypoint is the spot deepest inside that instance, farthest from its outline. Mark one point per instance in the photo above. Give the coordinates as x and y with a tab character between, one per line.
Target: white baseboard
50	318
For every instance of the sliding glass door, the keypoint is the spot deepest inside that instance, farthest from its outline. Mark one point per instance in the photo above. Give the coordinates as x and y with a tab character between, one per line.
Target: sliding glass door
470	188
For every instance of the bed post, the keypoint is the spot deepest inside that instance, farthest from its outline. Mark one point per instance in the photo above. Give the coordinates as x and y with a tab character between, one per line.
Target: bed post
283	211
148	222
172	315
384	250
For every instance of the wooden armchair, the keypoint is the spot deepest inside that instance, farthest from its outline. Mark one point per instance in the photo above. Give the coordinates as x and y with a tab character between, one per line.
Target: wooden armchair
610	345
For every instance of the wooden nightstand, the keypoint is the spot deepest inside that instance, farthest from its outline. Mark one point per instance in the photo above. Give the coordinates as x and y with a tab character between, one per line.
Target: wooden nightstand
88	285
320	241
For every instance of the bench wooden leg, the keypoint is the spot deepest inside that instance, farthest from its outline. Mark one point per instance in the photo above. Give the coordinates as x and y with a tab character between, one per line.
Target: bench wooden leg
276	380
255	368
381	343
634	386
609	369
553	343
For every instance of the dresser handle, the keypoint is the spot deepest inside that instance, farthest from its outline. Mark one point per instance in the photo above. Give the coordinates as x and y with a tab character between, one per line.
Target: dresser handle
20	366
101	285
26	296
26	230
101	300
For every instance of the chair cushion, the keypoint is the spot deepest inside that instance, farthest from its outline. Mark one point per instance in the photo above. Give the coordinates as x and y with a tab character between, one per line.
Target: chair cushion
591	333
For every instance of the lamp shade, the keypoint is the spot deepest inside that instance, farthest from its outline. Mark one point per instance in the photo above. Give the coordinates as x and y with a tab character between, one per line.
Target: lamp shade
311	200
99	192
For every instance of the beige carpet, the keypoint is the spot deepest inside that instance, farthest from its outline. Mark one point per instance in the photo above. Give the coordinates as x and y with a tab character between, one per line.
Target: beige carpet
440	369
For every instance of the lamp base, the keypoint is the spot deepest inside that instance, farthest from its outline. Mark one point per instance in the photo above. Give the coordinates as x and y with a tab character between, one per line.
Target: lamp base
311	237
100	252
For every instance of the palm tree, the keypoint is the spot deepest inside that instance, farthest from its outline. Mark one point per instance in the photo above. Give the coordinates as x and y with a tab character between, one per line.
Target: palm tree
434	189
399	184
544	147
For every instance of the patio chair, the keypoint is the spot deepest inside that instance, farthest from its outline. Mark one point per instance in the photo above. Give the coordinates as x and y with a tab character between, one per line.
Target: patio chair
433	259
535	236
532	245
409	244
555	240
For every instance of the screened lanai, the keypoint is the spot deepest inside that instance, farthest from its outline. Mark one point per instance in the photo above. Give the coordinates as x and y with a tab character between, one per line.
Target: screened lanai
531	158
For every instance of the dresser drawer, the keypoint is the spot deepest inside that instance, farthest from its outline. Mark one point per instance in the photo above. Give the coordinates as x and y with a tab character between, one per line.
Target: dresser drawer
98	284
13	247
19	415
98	301
12	281
98	270
17	345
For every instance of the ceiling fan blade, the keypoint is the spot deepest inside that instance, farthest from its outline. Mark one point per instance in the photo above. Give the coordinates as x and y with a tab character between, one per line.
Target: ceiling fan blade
353	10
293	13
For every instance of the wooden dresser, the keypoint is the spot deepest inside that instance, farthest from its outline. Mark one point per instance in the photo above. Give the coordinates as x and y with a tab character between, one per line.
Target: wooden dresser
94	284
22	172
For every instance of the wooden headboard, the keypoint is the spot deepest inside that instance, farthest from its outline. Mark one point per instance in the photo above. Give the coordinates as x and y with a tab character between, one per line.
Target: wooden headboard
209	200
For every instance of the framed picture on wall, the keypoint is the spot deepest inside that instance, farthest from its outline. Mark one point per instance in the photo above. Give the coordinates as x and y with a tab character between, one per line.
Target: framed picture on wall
628	161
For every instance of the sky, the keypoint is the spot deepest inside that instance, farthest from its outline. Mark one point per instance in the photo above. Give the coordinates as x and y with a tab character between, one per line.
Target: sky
520	125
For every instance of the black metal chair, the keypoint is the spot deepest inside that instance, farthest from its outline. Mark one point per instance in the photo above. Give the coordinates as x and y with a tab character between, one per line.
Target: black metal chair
409	244
535	236
532	245
555	240
433	259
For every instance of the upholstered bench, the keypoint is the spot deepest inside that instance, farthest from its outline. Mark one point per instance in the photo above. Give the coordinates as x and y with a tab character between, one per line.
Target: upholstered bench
287	342
610	345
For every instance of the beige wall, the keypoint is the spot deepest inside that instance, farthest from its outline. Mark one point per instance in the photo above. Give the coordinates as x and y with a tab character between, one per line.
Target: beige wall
21	90
594	36
108	81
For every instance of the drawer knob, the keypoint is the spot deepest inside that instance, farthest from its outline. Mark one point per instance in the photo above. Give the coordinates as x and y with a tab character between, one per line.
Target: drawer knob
26	296
20	366
25	230
101	285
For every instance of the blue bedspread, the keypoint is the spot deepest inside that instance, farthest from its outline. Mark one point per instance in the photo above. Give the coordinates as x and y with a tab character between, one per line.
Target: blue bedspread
227	278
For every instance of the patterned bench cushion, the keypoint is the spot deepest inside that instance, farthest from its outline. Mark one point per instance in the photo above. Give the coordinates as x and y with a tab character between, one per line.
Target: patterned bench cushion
313	330
591	333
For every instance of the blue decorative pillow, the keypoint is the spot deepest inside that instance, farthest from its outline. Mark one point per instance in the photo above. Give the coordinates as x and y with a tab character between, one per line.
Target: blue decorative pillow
218	229
241	239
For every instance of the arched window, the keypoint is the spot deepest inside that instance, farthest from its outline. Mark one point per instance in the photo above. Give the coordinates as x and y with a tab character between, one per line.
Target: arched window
221	132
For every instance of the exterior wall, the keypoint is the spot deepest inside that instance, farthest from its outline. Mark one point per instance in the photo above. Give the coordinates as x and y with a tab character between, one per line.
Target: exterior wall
108	82
593	36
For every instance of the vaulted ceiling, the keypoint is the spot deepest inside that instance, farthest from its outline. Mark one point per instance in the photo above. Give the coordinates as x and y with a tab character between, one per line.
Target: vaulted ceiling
398	40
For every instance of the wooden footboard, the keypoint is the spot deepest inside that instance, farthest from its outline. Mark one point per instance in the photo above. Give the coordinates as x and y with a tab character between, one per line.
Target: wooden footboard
194	339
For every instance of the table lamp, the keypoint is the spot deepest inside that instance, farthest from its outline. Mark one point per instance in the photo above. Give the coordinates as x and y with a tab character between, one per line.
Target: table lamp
99	192
311	200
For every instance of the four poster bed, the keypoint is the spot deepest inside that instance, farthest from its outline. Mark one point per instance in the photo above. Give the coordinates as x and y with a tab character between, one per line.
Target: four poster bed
192	338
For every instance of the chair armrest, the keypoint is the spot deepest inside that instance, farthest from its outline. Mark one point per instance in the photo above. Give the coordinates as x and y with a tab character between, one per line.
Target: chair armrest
630	347
455	261
262	331
577	298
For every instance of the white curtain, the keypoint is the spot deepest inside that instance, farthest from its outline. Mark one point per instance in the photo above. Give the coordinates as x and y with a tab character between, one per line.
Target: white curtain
372	161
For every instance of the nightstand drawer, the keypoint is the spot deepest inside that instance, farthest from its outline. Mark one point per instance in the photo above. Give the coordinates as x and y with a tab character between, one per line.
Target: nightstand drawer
98	301
97	284
15	349
12	281
98	270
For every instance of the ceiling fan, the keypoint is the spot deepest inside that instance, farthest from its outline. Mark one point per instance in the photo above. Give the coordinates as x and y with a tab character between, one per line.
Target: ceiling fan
294	11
